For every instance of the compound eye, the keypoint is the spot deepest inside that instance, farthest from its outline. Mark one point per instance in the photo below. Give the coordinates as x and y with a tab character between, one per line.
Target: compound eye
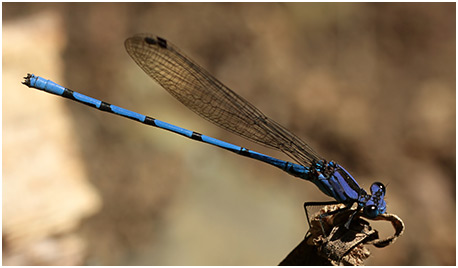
370	211
376	187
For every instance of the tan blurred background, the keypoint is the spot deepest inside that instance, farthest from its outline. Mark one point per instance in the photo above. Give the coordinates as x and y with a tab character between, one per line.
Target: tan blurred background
371	86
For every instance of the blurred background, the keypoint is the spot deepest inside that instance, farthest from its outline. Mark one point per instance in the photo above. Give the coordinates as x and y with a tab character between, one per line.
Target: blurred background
371	86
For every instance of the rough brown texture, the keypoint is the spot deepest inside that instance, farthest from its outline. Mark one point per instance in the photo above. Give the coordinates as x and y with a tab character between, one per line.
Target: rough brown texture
341	246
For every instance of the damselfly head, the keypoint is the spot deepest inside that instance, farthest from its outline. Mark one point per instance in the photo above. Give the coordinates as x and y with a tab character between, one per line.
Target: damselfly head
376	204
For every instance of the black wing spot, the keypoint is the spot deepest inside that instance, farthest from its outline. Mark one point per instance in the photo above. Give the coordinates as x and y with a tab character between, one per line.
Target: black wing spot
150	40
162	42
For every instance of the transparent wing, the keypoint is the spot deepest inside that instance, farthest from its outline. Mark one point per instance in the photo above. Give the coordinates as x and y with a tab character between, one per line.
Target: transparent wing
205	95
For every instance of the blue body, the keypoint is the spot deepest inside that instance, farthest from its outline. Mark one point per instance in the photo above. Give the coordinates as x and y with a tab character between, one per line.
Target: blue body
205	95
331	178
